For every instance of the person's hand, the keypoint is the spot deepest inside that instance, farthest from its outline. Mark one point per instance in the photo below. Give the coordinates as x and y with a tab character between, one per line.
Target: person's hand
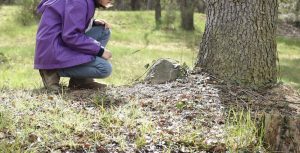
102	22
106	55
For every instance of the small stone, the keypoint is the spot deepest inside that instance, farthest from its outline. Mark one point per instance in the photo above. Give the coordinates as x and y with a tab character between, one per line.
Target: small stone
164	70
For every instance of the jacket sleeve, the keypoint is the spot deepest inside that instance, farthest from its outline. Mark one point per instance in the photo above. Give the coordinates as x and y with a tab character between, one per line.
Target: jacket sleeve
74	24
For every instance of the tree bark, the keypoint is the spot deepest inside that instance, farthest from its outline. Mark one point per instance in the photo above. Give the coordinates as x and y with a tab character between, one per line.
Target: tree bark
282	133
187	8
239	42
157	13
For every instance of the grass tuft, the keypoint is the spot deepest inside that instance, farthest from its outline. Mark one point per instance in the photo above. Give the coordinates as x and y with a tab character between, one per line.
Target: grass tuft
242	132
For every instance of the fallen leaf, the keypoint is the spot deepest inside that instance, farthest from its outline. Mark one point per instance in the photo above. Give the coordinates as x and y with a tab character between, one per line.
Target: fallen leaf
32	137
100	149
50	98
2	135
87	145
218	148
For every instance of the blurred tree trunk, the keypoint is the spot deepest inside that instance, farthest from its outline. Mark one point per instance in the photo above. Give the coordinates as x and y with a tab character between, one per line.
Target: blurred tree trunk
135	4
200	6
298	14
157	13
150	4
7	1
119	5
298	6
187	8
239	42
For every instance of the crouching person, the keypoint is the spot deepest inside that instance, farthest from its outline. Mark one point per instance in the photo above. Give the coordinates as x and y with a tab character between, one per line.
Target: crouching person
70	43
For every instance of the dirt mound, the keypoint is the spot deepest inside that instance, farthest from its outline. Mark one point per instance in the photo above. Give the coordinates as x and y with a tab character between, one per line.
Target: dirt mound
202	100
210	93
288	30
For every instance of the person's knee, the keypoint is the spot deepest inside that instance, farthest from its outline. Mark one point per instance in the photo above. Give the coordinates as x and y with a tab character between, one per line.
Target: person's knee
104	70
107	33
108	70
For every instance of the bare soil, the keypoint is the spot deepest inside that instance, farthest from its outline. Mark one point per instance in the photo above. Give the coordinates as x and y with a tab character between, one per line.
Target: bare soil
288	30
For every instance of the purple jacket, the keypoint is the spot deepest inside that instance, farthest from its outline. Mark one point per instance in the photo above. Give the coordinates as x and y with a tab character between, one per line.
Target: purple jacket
61	41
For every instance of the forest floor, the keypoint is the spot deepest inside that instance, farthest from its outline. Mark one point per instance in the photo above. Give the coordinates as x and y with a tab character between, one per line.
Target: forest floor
177	104
288	30
191	114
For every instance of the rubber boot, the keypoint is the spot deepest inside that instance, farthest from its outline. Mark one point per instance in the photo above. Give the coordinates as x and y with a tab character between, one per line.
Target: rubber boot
50	79
86	83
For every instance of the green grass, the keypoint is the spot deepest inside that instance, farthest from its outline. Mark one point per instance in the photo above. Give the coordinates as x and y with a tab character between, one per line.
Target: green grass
242	132
59	121
135	42
132	31
289	60
35	124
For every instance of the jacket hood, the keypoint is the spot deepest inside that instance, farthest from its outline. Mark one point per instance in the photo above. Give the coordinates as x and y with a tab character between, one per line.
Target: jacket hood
43	4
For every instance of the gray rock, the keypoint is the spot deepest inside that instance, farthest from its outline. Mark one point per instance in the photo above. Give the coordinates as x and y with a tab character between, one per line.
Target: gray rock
162	71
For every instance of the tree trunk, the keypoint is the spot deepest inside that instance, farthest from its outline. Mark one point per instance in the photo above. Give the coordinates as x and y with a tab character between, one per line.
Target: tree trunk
298	6
239	42
157	13
119	5
200	5
187	8
149	4
135	5
282	133
297	14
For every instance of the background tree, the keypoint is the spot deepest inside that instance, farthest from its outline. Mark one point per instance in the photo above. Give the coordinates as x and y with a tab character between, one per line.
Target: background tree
28	14
187	8
169	17
157	13
135	4
119	5
239	42
150	4
288	11
200	6
298	13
